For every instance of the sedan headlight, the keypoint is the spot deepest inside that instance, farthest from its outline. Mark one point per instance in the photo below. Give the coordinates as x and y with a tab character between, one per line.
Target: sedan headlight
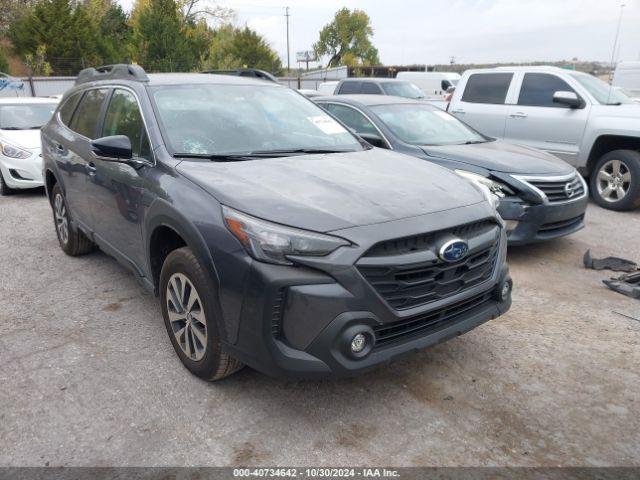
498	189
272	243
14	152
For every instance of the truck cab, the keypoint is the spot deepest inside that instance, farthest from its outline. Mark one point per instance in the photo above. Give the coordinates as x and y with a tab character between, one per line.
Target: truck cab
572	115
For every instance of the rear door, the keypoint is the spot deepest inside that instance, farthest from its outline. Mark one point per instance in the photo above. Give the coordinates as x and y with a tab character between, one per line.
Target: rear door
116	189
73	148
483	102
537	121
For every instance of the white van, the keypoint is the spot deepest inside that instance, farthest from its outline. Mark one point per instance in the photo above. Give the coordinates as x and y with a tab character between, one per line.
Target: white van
627	77
434	85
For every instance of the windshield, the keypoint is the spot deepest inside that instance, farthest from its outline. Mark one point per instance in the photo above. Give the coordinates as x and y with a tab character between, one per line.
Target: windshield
217	119
25	116
402	89
602	92
425	125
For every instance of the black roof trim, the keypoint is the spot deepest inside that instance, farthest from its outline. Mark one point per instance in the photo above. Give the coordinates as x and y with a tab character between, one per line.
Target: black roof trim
119	71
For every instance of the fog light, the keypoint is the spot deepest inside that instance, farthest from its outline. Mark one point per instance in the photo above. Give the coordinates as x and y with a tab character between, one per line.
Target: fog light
503	291
358	343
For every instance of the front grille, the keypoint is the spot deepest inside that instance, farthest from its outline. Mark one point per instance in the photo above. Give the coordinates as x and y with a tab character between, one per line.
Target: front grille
416	243
429	322
409	285
560	190
555	226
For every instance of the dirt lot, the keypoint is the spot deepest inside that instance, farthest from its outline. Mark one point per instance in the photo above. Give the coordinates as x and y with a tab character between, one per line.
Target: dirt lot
89	377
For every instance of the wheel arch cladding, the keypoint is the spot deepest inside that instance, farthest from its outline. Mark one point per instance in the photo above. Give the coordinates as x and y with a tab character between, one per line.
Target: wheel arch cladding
50	180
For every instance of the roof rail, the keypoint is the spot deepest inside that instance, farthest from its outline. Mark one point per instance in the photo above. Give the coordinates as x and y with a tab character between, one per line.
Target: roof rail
246	72
120	71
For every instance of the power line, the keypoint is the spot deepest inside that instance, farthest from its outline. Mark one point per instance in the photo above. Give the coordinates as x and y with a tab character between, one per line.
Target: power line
286	9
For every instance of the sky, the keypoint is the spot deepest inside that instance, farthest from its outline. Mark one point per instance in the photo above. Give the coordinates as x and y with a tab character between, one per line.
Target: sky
472	31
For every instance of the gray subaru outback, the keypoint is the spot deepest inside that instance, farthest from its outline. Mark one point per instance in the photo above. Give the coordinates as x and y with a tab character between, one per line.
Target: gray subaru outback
273	236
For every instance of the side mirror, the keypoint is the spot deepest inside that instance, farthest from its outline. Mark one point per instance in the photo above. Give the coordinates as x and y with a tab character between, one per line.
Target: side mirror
451	89
570	99
374	139
116	147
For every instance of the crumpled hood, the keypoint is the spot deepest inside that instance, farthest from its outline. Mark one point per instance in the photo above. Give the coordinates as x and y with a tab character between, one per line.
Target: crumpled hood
502	157
22	138
333	191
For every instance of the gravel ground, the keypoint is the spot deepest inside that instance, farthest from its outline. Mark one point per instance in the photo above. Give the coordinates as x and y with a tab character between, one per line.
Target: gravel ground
89	376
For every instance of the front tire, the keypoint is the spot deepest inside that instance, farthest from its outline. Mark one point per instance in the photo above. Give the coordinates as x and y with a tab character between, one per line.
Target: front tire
187	297
615	181
73	243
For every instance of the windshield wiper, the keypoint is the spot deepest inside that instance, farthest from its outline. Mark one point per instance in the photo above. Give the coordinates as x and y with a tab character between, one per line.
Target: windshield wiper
295	151
12	128
214	156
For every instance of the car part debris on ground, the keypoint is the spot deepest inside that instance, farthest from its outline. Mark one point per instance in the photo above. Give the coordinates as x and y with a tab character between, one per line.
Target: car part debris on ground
627	284
616	264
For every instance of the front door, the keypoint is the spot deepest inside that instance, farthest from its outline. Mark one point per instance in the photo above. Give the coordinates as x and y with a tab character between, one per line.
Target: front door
537	121
117	188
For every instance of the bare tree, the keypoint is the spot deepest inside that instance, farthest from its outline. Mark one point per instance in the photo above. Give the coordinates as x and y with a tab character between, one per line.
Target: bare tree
193	10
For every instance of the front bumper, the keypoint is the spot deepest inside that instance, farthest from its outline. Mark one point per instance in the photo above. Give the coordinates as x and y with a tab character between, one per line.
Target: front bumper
537	223
298	321
22	173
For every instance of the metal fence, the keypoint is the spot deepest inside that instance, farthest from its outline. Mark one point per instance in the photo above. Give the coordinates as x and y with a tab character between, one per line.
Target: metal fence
39	86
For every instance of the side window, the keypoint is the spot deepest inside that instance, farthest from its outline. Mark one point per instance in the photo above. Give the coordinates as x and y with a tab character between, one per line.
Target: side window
371	88
69	106
85	120
487	88
445	84
352	118
538	88
124	118
350	87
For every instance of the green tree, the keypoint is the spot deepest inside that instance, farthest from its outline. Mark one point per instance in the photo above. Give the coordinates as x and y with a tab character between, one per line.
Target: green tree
162	41
234	47
115	35
347	40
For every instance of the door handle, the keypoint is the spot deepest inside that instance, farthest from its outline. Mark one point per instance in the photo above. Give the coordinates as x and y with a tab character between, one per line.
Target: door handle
91	168
59	147
518	115
460	111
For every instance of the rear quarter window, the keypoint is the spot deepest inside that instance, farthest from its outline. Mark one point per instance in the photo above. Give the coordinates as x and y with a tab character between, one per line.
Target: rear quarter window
68	107
87	116
487	88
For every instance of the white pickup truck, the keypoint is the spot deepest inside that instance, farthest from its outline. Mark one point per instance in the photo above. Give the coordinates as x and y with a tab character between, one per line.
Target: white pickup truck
572	115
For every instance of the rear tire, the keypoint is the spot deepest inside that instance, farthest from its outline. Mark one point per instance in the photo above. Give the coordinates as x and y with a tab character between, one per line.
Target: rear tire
4	188
187	297
73	243
615	180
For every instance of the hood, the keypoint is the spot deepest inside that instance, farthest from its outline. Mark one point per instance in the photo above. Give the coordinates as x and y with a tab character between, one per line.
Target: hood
627	110
22	138
333	191
502	157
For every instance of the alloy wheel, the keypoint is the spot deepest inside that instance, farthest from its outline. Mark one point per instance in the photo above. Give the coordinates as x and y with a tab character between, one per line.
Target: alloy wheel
186	316
62	222
613	181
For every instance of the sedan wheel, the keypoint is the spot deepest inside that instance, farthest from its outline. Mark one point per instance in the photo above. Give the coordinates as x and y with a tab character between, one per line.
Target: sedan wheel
613	181
186	316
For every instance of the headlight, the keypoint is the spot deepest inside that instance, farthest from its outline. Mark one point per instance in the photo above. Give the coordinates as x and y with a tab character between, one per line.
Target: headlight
272	243
14	152
497	188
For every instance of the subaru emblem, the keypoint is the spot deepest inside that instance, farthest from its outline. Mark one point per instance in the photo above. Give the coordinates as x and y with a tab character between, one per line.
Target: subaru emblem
453	250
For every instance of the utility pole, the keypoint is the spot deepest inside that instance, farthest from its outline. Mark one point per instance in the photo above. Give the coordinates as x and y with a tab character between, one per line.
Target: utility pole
286	9
613	53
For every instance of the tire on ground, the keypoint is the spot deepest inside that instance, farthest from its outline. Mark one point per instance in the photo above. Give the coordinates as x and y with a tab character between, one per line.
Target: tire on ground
77	242
4	188
630	161
216	363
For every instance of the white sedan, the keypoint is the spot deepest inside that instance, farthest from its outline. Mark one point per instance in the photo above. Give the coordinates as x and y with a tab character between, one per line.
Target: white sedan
20	149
